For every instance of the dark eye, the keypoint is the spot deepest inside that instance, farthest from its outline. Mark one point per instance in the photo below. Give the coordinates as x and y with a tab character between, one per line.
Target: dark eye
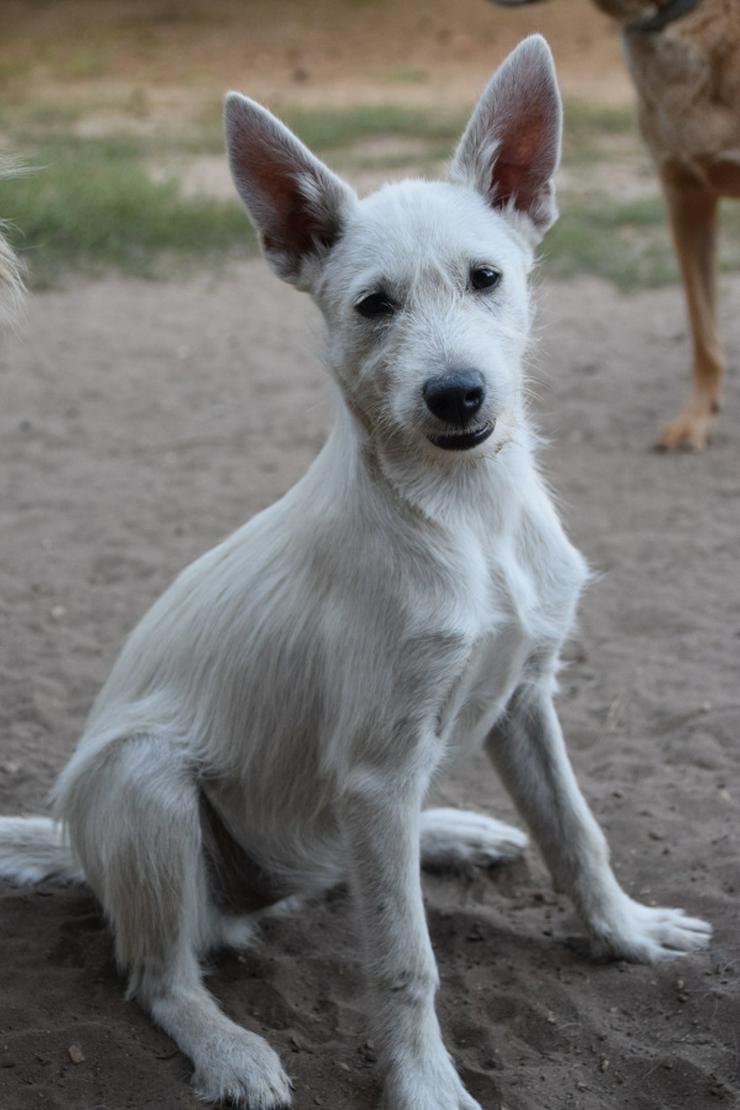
484	277
376	304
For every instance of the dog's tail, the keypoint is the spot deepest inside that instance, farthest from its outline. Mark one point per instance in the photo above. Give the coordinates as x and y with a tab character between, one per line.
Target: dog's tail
34	848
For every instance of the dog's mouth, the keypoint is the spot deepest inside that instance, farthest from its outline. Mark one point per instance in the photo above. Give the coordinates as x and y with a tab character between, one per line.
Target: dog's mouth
463	441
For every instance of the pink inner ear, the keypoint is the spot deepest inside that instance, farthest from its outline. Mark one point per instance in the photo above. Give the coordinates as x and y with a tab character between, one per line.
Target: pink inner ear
293	227
290	222
517	172
299	227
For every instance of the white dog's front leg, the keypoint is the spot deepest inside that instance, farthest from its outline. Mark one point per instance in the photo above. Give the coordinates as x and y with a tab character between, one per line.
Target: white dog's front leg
527	747
381	828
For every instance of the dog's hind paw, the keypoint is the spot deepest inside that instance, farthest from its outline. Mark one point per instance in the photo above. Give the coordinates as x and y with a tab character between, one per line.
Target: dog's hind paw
457	838
692	430
242	1071
649	934
235	932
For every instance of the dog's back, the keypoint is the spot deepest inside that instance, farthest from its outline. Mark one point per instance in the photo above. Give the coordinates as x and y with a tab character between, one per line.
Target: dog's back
688	84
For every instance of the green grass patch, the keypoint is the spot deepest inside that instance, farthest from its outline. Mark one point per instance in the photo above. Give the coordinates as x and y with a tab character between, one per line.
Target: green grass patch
406	75
89	205
627	243
591	131
598	133
92	205
585	119
328	129
86	61
11	69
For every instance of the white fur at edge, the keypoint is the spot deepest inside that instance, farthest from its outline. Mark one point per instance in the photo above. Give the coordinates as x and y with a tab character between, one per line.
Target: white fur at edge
401	604
34	848
11	281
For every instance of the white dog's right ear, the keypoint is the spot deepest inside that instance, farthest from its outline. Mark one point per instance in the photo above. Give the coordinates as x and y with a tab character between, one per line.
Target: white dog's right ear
298	206
511	147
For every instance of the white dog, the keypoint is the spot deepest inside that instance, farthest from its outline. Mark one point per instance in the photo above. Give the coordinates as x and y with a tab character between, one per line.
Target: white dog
273	724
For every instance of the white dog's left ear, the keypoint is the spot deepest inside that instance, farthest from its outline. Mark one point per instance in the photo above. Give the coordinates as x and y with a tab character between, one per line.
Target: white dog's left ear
511	146
298	206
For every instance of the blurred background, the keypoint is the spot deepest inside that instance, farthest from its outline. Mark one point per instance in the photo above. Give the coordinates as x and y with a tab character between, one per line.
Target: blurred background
118	106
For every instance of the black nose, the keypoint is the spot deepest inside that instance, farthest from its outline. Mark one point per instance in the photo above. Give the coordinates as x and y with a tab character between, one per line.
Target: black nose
455	398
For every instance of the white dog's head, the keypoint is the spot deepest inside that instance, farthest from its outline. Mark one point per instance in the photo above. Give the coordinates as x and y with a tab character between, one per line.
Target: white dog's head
423	284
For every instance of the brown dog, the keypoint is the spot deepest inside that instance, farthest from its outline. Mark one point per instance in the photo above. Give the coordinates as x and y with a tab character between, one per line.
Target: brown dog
684	57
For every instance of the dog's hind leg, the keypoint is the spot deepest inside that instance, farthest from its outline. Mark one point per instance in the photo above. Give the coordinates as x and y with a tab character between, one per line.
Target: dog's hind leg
458	838
693	210
133	818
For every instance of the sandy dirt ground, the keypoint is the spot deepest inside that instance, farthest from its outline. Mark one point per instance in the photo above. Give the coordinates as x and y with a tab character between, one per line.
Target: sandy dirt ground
140	423
169	53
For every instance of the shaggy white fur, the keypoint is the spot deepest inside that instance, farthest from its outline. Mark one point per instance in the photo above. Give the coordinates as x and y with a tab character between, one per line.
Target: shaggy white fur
11	281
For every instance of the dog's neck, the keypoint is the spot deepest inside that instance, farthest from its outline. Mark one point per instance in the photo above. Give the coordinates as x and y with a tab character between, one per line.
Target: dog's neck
664	16
479	491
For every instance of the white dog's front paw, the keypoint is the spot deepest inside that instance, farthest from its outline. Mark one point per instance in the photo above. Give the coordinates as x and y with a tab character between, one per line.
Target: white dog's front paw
647	934
460	838
433	1087
242	1070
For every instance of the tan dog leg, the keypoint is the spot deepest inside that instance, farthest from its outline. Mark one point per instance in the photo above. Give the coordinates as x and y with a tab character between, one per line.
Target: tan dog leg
693	213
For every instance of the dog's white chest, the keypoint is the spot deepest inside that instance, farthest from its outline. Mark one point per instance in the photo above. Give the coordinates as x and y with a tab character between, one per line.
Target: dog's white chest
527	611
491	676
492	670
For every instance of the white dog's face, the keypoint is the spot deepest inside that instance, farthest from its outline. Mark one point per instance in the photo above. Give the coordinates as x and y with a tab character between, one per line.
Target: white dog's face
423	284
425	295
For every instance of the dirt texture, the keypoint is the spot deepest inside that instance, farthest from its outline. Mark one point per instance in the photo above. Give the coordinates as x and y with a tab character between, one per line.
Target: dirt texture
140	423
169	52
